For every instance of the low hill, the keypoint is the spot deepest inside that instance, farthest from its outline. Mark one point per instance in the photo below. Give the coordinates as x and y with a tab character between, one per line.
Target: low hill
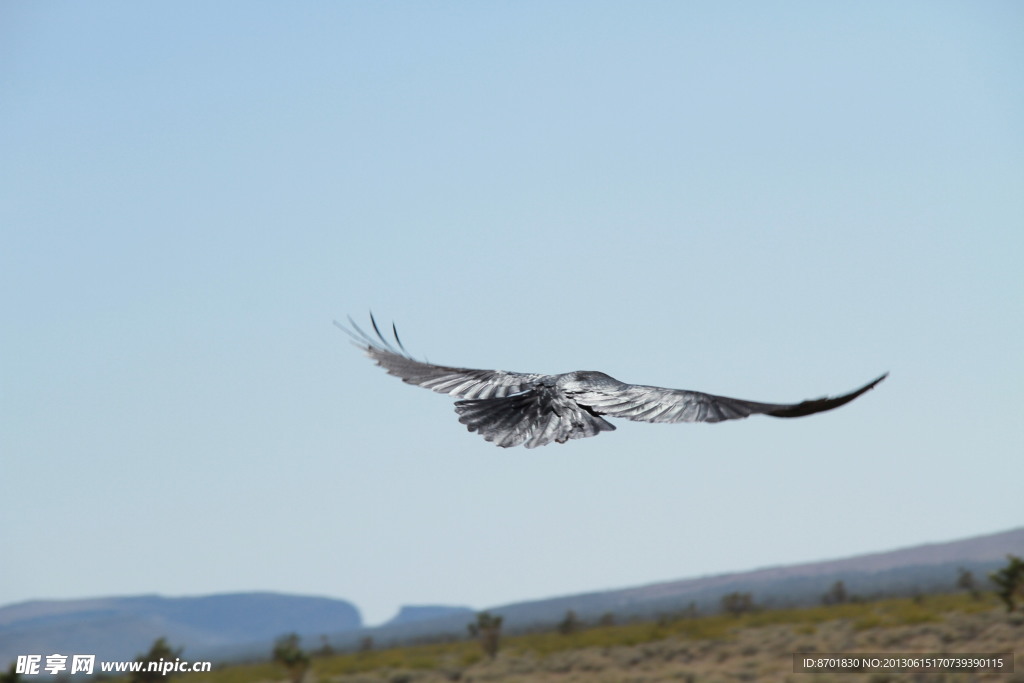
122	628
924	568
410	614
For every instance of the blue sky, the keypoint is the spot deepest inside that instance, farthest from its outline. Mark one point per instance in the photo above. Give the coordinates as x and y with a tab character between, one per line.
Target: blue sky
772	201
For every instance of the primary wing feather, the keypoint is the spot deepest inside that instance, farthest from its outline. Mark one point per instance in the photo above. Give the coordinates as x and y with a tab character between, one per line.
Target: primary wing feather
458	382
656	404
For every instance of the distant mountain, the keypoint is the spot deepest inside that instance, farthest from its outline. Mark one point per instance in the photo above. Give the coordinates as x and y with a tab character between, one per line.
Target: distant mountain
419	613
921	569
925	568
122	628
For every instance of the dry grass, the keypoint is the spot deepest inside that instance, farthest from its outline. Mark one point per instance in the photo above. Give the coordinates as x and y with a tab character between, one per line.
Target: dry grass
753	647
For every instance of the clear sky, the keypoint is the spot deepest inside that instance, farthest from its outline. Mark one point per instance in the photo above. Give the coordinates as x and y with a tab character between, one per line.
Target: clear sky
773	201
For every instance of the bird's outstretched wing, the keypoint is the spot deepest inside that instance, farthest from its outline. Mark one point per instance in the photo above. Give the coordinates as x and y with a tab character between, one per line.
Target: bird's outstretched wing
458	382
656	404
514	408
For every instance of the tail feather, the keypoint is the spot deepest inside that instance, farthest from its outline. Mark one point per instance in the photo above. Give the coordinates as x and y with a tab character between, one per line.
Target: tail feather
532	418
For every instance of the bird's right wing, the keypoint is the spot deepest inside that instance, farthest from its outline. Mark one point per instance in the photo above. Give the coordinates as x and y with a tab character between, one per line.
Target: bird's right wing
656	404
458	382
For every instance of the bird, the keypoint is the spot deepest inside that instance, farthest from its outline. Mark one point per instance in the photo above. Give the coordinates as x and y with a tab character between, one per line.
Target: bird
529	409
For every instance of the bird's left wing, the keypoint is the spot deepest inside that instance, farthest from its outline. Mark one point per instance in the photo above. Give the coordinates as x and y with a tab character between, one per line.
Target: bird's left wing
458	382
656	404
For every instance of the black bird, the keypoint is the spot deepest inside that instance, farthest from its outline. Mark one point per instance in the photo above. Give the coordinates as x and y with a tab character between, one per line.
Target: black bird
514	408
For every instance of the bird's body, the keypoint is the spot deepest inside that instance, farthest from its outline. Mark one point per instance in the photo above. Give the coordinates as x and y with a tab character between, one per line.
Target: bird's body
513	408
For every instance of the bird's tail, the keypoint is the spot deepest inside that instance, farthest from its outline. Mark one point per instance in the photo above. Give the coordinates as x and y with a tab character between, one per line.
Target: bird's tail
531	418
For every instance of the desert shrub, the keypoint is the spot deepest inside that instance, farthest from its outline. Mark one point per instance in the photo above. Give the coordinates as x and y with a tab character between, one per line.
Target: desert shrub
737	603
487	631
1010	582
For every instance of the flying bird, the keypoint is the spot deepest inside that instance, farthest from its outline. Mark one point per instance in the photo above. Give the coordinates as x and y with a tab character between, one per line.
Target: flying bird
515	408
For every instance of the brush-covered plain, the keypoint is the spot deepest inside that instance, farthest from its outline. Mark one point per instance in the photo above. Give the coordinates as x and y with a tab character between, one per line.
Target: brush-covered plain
754	646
